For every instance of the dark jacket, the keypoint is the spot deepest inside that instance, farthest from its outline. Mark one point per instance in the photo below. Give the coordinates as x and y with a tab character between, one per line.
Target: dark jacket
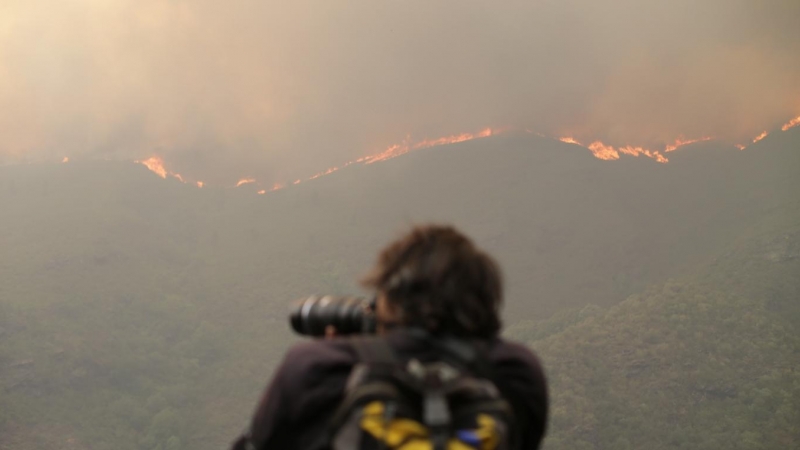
308	386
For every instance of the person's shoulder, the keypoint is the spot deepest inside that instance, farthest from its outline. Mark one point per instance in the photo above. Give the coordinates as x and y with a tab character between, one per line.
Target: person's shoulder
505	353
521	379
311	362
333	351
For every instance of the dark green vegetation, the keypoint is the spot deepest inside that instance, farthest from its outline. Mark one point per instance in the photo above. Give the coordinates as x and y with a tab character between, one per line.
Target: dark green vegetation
140	313
708	361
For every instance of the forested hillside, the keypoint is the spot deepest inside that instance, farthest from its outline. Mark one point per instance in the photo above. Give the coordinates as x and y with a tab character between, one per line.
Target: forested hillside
705	362
141	313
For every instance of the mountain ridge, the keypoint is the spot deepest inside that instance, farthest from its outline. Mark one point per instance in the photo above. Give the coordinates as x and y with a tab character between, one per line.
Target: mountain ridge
145	314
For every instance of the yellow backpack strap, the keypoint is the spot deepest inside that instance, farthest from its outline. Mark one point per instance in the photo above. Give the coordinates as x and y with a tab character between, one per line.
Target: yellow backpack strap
374	356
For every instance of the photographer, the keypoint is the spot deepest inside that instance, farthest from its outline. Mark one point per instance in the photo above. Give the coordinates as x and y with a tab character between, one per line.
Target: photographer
438	297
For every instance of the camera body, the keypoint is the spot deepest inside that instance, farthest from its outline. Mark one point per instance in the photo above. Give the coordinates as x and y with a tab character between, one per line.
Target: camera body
349	315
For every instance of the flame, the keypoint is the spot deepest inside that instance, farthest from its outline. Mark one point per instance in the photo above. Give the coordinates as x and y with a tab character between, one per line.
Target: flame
602	151
609	153
405	147
791	124
156	165
569	140
599	149
680	142
389	153
486	132
65	160
325	172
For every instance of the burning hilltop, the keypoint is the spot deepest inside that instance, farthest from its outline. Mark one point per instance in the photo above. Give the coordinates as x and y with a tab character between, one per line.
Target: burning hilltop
598	148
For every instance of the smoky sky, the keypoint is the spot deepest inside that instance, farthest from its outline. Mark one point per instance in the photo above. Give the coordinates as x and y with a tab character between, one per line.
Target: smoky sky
281	90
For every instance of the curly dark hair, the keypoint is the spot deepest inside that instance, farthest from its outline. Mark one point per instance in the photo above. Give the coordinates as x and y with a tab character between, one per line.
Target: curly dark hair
440	281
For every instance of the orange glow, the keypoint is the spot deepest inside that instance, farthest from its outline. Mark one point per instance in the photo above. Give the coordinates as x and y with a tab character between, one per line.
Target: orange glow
569	140
599	149
636	151
391	152
326	172
609	153
602	151
791	124
65	160
405	147
262	192
680	142
452	139
156	165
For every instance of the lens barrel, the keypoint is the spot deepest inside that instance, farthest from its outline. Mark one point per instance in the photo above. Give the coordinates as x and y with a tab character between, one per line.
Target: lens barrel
349	315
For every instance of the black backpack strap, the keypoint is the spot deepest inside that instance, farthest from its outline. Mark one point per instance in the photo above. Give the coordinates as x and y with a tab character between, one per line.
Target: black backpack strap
474	356
471	354
374	355
373	350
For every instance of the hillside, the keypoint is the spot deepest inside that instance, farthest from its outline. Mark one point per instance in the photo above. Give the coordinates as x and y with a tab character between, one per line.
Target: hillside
142	313
569	229
704	362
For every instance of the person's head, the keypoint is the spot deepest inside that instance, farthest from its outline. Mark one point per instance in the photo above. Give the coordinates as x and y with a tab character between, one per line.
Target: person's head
435	278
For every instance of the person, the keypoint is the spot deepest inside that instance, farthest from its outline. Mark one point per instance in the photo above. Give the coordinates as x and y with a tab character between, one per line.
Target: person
433	278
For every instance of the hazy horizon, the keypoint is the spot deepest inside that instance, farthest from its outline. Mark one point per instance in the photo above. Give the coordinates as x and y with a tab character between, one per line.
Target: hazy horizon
277	92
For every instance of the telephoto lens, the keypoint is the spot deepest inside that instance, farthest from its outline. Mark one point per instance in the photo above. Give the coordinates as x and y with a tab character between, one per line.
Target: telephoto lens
349	315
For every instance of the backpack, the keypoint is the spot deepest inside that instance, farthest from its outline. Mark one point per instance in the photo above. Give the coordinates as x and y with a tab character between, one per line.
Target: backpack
450	404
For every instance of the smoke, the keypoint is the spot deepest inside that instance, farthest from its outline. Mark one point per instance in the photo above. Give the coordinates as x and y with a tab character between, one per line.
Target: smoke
279	90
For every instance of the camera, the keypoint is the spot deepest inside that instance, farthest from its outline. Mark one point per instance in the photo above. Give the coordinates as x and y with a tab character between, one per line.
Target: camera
349	315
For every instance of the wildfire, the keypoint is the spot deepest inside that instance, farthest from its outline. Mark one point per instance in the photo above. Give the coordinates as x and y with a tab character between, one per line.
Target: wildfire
390	152
569	140
609	153
602	151
405	147
791	124
65	160
599	149
325	172
680	142
156	165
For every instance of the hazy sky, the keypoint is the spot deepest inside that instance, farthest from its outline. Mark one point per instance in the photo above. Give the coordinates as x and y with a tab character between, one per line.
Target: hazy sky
280	90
